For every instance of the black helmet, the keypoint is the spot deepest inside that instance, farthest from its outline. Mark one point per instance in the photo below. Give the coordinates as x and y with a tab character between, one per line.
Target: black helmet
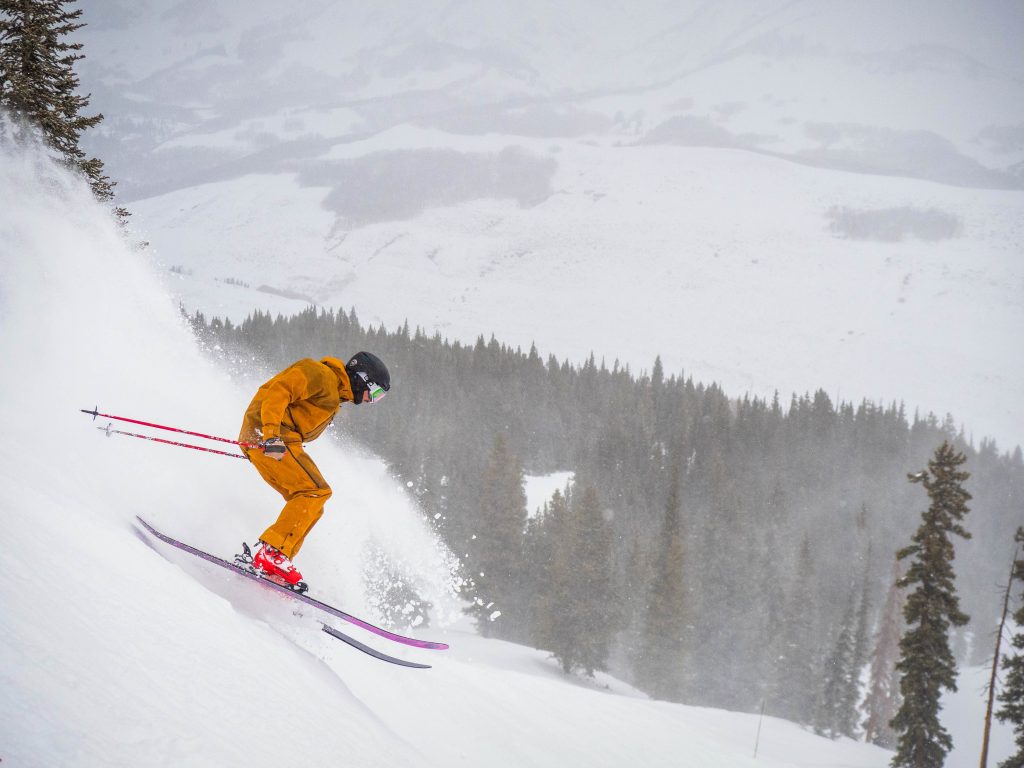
372	368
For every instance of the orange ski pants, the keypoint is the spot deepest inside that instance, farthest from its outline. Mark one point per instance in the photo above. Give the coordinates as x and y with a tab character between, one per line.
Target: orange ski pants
304	489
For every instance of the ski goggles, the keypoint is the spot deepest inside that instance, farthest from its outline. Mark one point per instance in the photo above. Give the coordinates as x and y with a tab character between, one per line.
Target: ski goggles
376	391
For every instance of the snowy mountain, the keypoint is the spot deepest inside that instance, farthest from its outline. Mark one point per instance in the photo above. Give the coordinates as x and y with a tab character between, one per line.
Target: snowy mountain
116	652
773	196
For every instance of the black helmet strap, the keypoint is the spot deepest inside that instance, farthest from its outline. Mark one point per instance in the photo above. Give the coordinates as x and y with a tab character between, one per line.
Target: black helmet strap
358	386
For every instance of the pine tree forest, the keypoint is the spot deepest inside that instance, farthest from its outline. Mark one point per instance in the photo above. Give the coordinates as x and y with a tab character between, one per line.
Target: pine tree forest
716	549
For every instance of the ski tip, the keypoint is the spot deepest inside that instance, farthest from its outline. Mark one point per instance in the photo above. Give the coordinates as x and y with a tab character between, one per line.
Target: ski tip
149	528
370	651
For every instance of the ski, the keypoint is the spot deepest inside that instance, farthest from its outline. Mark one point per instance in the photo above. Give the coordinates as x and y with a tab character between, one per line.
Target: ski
300	596
371	651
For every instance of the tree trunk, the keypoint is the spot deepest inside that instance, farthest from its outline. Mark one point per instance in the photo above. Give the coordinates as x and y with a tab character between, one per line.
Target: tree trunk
995	668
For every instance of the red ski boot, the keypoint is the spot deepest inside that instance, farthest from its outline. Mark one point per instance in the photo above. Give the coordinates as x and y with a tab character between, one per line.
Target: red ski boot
277	567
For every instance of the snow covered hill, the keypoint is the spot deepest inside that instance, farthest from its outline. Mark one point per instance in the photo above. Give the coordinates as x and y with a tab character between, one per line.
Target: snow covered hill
727	268
781	195
116	654
773	196
915	90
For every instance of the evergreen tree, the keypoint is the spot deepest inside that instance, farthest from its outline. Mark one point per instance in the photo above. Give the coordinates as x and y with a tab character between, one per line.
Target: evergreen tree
926	663
38	84
861	639
842	690
542	564
661	667
1012	696
633	580
883	697
838	714
575	621
496	545
835	713
798	661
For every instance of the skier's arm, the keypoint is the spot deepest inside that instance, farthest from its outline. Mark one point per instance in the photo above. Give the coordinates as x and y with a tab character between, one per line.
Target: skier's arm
289	386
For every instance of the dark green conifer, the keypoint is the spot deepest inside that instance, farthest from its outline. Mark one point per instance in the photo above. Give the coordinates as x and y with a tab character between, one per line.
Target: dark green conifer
861	639
837	711
495	546
926	662
661	667
576	622
39	86
542	541
798	658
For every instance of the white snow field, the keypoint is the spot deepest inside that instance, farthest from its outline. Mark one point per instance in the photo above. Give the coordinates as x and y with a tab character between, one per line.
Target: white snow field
113	655
771	195
719	260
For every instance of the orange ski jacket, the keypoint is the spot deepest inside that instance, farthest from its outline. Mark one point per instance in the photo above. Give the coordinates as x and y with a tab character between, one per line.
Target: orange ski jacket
300	402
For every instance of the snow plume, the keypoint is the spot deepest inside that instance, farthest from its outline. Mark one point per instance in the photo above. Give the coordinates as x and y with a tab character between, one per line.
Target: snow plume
110	655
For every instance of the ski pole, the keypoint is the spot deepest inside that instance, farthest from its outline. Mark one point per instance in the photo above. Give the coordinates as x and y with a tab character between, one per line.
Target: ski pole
110	432
95	412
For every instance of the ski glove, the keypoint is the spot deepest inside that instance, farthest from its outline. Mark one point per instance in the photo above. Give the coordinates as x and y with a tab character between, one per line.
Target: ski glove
273	448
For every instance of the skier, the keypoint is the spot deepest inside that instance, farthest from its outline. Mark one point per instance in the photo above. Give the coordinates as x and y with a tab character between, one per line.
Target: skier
293	408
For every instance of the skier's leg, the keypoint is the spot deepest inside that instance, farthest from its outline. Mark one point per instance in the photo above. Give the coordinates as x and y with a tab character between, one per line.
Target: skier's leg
299	481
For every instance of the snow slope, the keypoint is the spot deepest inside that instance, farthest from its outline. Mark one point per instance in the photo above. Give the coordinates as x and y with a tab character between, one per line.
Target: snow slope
110	655
721	261
770	195
113	654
